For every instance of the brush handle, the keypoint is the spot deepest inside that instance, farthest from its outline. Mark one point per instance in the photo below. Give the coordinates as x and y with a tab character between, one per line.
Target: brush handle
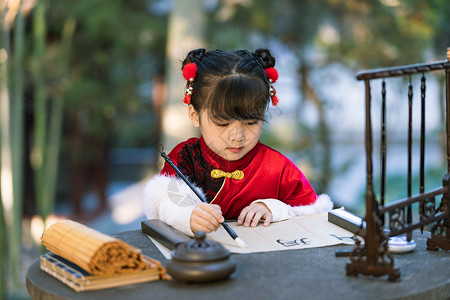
170	162
229	230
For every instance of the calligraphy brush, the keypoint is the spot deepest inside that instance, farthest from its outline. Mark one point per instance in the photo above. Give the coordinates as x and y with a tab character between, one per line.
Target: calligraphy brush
230	231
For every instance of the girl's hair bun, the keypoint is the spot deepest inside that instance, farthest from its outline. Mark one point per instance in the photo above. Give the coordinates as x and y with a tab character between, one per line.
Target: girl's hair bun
264	58
194	56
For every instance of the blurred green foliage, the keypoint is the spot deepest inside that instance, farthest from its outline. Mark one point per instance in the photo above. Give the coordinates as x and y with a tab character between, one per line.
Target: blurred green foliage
118	48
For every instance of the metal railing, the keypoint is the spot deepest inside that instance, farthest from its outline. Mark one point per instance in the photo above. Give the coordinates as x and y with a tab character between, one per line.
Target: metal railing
373	258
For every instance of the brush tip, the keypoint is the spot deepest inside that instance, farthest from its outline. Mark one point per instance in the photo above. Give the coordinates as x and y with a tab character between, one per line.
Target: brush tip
240	242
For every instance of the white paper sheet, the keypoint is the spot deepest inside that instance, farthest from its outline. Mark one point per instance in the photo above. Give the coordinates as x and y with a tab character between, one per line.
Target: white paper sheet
296	233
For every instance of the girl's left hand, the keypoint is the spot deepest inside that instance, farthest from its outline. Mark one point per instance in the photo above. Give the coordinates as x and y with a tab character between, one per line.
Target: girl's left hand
251	215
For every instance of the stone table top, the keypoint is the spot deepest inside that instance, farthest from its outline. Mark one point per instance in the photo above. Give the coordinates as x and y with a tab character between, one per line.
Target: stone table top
314	273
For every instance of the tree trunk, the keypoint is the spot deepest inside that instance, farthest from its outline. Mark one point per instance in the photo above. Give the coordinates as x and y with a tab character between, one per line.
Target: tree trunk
186	24
323	131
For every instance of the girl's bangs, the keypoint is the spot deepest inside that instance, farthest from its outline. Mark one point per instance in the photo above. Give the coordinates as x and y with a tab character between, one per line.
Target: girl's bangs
239	97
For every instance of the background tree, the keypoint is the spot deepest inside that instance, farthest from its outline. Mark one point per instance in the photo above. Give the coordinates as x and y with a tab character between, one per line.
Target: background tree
98	91
186	25
108	100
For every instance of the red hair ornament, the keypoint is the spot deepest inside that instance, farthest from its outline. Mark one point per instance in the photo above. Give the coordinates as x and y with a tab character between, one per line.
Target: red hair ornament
189	73
275	99
272	74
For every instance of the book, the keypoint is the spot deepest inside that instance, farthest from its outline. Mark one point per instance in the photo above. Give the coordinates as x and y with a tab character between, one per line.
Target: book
80	280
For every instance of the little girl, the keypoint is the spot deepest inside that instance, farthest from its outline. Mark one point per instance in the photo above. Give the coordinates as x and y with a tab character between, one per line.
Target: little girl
228	93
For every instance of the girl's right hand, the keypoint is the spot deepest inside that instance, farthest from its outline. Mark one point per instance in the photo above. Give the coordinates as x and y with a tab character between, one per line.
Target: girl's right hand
206	217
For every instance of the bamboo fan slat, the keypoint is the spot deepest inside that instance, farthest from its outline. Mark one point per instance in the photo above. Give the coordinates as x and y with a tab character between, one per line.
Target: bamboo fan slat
93	251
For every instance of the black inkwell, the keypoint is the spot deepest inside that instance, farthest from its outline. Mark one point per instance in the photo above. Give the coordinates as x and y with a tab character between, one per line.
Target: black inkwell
200	260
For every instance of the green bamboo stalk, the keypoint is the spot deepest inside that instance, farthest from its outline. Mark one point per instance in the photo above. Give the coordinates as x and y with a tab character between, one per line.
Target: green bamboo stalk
18	111
2	252
5	154
57	112
5	162
17	134
3	257
40	111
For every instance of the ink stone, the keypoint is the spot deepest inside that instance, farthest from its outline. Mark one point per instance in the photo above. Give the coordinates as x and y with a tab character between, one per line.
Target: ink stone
200	260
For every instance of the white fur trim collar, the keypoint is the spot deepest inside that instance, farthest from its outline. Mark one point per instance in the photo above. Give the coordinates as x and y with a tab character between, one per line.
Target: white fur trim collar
323	203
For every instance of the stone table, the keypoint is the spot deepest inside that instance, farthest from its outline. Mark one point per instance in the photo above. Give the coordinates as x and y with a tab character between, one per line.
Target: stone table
294	274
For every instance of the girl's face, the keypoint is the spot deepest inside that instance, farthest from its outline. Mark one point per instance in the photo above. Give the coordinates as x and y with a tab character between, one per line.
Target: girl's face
230	140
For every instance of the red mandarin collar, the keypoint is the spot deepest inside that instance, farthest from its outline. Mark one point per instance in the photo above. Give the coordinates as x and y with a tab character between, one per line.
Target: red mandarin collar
218	162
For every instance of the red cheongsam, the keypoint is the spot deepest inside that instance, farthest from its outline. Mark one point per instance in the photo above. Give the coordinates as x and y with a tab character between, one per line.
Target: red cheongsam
268	174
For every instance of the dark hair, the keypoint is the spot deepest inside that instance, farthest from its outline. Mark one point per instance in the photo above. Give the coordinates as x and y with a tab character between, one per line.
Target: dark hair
231	84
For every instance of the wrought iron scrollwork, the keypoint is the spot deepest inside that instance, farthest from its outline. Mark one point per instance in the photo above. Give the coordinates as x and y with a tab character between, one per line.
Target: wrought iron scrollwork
397	219
427	208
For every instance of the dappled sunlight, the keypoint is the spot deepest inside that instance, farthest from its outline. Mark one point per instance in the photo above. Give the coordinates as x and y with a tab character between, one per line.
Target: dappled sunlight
392	3
37	226
6	175
176	122
127	212
126	205
308	170
328	34
52	219
6	187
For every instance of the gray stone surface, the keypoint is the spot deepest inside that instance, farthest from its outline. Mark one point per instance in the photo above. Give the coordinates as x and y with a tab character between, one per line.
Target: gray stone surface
296	274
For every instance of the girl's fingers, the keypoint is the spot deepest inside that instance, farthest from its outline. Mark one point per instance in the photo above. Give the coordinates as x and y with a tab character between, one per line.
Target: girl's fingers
212	210
252	214
217	207
205	217
198	224
242	215
267	219
253	220
209	210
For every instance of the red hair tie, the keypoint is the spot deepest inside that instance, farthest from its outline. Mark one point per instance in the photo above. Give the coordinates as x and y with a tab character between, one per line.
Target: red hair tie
189	73
272	75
